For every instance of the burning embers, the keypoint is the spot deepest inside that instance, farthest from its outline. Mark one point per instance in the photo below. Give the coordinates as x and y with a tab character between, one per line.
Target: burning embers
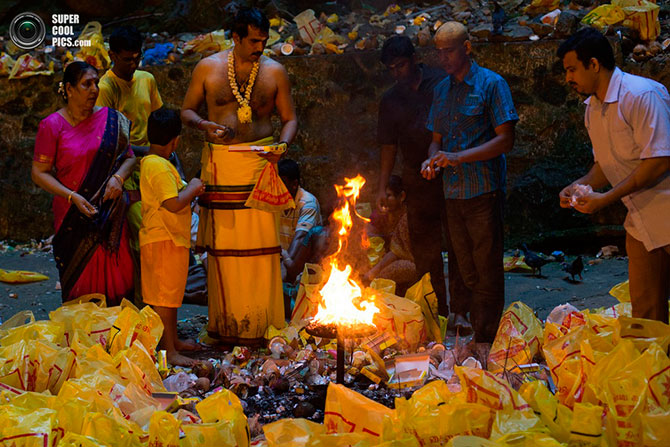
346	309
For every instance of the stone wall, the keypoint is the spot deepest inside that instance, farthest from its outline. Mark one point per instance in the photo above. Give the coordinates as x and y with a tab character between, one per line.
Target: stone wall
336	98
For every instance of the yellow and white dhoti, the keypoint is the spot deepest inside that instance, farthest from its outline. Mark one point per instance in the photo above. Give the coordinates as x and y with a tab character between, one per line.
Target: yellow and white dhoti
243	277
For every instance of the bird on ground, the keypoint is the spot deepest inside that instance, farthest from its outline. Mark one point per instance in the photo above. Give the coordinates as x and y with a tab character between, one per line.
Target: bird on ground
533	260
575	268
499	17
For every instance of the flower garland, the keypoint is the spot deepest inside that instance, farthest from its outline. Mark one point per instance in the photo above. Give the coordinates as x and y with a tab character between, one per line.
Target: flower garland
244	110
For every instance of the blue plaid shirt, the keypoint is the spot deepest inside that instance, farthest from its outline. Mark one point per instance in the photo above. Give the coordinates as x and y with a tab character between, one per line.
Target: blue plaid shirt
466	115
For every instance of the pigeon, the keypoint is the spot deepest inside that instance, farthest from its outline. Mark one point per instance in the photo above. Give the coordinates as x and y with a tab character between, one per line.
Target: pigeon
533	260
574	268
499	18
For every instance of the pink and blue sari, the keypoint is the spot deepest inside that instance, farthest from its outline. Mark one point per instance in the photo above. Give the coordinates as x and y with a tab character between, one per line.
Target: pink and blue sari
92	254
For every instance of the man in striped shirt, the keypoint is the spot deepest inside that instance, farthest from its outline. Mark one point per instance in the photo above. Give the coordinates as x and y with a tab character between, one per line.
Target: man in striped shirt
472	119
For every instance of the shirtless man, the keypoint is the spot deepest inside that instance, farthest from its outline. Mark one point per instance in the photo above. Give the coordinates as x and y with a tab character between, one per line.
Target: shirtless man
244	278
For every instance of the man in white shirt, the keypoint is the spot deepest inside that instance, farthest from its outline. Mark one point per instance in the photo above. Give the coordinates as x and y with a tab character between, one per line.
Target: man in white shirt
628	121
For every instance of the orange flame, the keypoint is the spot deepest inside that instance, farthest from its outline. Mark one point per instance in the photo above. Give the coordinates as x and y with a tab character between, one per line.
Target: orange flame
342	301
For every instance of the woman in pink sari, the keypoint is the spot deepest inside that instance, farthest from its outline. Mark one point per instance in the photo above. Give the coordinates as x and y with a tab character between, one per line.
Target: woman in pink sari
82	156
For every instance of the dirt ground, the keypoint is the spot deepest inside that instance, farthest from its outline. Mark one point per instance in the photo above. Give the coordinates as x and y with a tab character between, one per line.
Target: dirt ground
541	294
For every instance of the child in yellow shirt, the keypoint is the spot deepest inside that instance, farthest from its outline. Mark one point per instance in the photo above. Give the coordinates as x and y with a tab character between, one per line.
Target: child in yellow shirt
165	234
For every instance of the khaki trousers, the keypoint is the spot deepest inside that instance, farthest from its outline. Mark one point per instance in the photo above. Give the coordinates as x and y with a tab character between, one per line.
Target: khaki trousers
649	279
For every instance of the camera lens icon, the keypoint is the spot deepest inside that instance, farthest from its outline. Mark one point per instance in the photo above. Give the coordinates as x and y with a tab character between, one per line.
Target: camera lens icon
27	30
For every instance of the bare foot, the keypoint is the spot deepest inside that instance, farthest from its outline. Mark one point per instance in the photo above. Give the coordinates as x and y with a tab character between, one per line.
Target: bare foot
176	359
187	345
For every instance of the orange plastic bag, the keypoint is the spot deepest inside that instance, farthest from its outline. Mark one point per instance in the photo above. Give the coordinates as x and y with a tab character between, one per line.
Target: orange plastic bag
518	339
348	411
307	301
20	276
269	193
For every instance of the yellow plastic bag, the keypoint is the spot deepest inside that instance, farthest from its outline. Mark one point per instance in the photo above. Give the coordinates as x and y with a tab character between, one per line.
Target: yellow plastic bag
655	429
220	433
507	422
515	264
643	332
383	285
131	324
28	427
518	339
38	330
74	440
489	390
556	416
93	320
163	430
26	66
103	426
603	16
208	43
348	411
20	276
586	427
95	53
401	317
375	250
6	63
224	405
423	294
621	292
641	15
307	301
292	432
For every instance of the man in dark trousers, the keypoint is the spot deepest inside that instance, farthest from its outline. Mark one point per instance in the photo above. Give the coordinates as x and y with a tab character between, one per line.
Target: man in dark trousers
402	125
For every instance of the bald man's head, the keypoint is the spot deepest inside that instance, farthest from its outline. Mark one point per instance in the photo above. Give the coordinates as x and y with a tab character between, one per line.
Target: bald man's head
452	31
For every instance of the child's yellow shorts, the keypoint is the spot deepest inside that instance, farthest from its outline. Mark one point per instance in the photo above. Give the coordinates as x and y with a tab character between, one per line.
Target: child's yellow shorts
164	272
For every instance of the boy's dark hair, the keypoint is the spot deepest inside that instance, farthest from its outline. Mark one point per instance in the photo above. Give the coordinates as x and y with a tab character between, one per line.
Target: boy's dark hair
73	73
588	43
125	38
250	17
289	169
395	185
164	125
396	46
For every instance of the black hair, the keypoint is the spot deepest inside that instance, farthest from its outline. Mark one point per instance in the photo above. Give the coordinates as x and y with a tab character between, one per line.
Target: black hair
396	46
289	168
395	185
250	17
73	73
164	125
588	43
125	38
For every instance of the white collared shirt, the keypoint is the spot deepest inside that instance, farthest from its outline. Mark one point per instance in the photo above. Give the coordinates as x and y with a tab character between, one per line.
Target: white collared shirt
631	124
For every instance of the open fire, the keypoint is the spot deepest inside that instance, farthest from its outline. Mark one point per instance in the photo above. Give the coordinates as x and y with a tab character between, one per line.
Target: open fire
345	306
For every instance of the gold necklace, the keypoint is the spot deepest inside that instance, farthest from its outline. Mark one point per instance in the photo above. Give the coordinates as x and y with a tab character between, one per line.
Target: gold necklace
244	109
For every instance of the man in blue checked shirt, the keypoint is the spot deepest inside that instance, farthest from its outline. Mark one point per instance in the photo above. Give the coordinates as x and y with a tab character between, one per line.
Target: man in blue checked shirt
472	119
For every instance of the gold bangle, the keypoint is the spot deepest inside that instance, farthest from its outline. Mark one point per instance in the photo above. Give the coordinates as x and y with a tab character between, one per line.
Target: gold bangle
119	178
69	197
